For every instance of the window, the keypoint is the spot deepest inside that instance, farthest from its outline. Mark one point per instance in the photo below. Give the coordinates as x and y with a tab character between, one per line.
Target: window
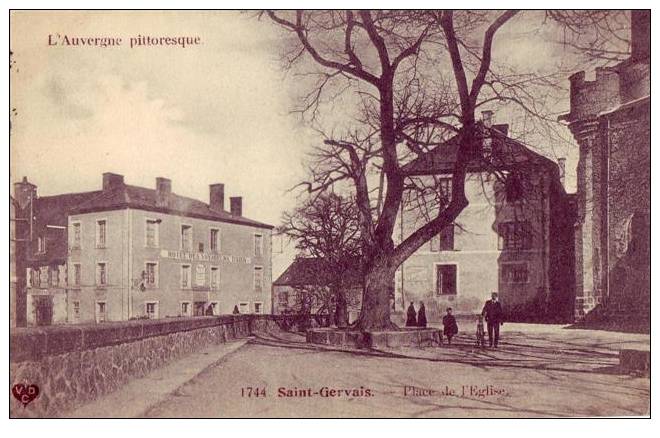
258	308
446	280
101	233
214	243
185	276
200	247
101	274
444	184
514	236
513	188
76	274
35	277
444	241
151	274
185	308
212	308
186	238
29	277
41	244
76	310
151	309
44	276
215	277
54	276
258	278
101	311
244	307
200	275
515	273
258	244
284	299
76	235
151	233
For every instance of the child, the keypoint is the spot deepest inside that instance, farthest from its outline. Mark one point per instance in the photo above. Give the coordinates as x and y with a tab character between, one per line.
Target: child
481	334
449	322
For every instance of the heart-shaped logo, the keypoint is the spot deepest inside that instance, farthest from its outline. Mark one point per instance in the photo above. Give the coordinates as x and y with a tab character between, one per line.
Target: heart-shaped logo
25	393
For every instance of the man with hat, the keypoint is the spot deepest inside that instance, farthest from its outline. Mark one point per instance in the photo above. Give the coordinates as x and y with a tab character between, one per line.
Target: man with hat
494	316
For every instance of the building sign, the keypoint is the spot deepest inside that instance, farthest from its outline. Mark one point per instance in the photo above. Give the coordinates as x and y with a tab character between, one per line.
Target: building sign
203	257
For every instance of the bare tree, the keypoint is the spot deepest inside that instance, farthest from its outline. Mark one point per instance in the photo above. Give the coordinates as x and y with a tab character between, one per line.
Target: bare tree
599	35
326	229
404	84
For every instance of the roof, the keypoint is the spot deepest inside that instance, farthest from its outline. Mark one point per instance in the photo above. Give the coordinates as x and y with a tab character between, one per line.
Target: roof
51	213
54	210
506	152
128	196
302	272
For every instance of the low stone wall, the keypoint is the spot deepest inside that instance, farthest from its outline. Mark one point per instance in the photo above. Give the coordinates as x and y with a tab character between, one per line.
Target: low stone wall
408	337
75	364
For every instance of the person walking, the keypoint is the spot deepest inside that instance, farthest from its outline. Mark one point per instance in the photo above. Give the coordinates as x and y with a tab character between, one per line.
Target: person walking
421	315
449	324
494	316
411	316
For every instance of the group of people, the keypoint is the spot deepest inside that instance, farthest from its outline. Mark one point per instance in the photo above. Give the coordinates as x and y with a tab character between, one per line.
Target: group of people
492	313
414	318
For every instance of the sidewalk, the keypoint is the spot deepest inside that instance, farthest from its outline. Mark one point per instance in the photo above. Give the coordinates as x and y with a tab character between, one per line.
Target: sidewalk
139	395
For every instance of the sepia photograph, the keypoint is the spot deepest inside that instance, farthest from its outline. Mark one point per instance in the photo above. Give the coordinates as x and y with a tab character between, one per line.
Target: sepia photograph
372	213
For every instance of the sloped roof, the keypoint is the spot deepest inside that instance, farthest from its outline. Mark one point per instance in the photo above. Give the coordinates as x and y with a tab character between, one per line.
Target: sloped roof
128	196
302	272
53	211
506	152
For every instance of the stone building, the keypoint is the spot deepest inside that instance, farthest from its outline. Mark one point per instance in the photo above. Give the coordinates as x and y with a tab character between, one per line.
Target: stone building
299	285
44	220
128	252
610	119
514	237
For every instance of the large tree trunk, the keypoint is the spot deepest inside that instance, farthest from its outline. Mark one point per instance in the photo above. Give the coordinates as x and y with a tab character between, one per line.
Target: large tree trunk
341	310
379	281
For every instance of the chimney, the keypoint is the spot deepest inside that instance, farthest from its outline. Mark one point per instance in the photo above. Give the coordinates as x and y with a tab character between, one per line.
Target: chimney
112	181
562	169
24	192
487	118
640	34
217	197
236	205
163	192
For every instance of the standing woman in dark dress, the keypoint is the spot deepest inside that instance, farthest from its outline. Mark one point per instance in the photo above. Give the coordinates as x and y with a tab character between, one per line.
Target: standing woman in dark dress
421	315
411	316
449	324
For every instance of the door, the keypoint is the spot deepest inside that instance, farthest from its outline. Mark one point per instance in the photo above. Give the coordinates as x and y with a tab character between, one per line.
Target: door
199	308
44	310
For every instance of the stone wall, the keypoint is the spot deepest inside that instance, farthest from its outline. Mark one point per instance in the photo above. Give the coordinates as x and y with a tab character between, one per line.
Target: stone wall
610	119
77	363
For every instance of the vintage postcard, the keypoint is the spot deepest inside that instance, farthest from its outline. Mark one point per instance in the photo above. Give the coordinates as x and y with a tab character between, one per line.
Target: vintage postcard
330	213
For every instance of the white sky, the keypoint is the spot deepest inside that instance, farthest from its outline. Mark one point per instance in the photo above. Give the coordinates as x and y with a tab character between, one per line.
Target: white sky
218	112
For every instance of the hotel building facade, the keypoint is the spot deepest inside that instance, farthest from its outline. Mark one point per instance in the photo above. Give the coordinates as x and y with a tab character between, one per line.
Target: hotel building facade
133	252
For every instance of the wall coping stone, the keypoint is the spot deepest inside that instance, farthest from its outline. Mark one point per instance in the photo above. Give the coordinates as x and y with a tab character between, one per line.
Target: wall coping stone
33	343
